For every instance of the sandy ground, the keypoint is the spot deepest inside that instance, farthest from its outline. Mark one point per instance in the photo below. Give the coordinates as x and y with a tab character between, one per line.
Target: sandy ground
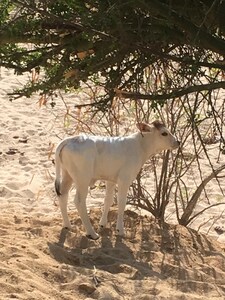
38	260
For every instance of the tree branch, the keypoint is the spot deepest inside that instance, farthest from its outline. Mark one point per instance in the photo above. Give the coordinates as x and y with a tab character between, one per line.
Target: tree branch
174	94
185	219
194	34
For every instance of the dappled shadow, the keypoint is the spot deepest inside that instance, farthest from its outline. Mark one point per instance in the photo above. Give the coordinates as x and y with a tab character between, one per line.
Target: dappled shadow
109	253
169	252
187	260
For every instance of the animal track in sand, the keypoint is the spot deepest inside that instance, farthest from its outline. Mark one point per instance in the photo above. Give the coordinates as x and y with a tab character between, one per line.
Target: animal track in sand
8	193
13	185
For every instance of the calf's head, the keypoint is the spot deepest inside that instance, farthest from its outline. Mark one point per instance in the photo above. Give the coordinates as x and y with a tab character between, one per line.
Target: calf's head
162	138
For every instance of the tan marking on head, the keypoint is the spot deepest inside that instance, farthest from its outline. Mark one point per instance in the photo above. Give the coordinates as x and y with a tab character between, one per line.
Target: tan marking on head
158	124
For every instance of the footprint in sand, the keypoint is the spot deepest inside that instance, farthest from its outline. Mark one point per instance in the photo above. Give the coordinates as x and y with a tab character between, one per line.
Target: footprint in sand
219	229
13	185
14	189
8	193
12	151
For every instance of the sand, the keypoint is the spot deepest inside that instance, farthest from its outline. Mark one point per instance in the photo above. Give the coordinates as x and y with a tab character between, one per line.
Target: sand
39	260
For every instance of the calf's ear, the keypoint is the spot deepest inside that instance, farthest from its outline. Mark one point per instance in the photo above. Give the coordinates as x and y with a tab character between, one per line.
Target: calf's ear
143	127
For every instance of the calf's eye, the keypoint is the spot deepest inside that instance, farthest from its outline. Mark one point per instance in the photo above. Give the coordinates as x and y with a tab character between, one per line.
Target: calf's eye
164	133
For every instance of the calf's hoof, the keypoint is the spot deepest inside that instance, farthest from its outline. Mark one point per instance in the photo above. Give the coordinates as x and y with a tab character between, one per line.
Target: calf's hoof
120	233
102	224
92	236
67	227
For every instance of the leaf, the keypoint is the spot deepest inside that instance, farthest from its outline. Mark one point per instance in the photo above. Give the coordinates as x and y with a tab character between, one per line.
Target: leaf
42	101
66	120
51	147
83	54
71	73
119	93
34	76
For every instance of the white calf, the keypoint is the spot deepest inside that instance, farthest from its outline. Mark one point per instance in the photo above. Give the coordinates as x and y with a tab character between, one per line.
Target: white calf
117	160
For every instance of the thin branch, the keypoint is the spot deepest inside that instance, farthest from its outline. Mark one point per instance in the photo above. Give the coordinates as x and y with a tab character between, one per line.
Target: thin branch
203	210
185	219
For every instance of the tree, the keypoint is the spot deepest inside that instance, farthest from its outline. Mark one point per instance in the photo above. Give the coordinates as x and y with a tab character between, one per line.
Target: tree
115	44
149	51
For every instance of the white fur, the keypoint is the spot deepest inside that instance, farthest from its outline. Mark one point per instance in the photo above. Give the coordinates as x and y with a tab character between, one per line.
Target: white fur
117	160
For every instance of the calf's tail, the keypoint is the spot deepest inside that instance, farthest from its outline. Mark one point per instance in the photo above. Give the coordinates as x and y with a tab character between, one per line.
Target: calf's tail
58	168
57	180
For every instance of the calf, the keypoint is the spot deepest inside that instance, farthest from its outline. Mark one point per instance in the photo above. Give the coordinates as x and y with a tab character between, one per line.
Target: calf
117	160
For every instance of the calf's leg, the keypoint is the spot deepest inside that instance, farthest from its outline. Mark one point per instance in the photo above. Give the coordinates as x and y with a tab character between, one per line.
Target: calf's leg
65	186
80	203
122	199
110	187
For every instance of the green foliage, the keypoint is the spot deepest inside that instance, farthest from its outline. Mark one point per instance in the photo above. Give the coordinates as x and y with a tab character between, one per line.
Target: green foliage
113	42
5	8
